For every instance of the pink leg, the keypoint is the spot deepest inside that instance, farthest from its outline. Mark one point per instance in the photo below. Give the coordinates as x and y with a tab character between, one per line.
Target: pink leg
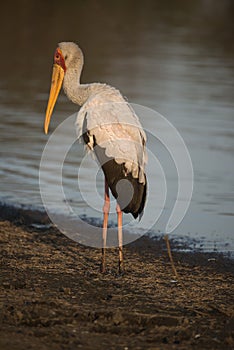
106	209
120	237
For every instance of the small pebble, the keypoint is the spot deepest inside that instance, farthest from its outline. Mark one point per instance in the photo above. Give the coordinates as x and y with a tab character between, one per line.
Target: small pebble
197	336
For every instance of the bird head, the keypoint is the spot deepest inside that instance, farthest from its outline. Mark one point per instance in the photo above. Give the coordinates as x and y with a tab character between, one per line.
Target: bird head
67	56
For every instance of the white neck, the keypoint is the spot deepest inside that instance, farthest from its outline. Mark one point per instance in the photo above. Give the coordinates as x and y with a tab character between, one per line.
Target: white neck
76	92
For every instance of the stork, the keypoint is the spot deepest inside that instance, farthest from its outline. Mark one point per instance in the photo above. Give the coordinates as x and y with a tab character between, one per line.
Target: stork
109	127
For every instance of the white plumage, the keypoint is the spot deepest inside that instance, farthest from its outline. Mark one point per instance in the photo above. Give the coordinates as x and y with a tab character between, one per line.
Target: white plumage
115	126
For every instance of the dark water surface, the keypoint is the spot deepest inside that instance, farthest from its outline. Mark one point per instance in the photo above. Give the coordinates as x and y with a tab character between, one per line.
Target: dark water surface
176	57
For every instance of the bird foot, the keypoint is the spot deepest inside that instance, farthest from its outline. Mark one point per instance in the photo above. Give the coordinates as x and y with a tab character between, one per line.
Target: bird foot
121	269
102	268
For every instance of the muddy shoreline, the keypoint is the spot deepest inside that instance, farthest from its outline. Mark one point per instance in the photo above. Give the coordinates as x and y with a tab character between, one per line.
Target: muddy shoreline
54	297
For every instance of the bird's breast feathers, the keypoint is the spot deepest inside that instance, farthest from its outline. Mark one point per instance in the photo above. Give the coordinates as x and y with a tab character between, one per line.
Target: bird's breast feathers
114	126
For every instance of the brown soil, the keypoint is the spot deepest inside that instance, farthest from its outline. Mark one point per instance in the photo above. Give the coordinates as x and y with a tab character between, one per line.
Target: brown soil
54	297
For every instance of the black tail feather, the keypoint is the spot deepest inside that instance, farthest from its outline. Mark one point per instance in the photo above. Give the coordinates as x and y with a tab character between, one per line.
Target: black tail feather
128	191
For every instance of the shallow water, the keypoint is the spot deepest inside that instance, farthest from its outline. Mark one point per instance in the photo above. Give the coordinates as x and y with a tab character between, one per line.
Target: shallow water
176	59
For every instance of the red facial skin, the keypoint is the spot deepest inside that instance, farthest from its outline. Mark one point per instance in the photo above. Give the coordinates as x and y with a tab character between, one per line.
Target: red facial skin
59	59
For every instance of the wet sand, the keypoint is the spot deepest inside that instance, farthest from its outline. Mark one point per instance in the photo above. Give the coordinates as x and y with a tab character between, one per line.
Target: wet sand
54	297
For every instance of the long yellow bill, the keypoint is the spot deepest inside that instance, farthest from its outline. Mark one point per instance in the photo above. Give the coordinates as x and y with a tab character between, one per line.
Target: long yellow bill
56	84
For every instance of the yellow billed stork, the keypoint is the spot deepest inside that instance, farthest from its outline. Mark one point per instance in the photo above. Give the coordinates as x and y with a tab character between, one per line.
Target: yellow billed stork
109	127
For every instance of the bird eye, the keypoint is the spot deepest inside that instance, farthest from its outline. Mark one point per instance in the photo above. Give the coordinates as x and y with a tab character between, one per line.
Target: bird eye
65	57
